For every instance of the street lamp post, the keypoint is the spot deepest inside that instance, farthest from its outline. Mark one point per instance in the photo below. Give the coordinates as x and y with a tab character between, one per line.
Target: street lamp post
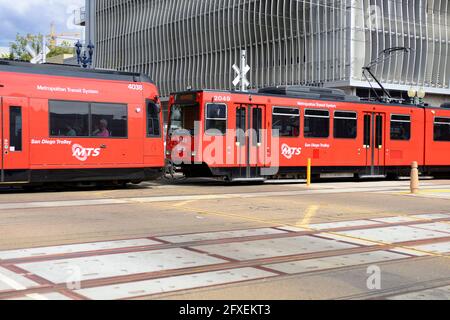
85	57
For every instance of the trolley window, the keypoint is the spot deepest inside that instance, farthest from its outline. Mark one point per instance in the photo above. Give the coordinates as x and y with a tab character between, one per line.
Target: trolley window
83	119
109	120
257	126
317	124
286	122
400	127
15	129
69	119
241	125
153	120
379	131
216	119
345	125
441	129
183	118
367	130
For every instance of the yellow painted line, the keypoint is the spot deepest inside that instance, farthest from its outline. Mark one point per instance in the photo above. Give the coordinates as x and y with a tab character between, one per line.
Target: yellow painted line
275	223
36	296
422	191
181	204
434	191
19	287
272	223
309	214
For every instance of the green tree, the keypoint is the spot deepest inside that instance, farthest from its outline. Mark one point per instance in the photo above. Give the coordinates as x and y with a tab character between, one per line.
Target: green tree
64	48
18	47
7	56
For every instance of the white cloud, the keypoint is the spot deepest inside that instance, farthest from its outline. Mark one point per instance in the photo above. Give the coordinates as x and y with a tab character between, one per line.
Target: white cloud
4	50
35	16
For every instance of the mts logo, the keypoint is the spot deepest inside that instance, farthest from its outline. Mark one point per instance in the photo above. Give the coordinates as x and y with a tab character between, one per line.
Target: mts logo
83	154
289	152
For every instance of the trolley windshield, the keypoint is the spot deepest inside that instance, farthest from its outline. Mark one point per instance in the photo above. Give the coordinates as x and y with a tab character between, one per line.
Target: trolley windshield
183	119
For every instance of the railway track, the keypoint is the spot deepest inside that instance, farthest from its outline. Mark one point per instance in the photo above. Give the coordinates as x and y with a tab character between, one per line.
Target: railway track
236	255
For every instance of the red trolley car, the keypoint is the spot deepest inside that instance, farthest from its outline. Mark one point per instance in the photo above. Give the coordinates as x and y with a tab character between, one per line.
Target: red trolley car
67	124
272	133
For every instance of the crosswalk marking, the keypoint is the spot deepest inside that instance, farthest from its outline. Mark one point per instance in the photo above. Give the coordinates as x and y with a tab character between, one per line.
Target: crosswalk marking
196	265
351	260
167	285
76	248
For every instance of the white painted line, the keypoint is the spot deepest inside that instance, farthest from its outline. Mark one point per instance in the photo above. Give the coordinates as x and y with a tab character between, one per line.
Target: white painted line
115	265
437	226
431	216
329	263
76	248
347	239
442	293
221	235
394	234
58	204
13	281
96	202
411	252
343	224
438	248
294	229
167	285
262	249
392	220
53	296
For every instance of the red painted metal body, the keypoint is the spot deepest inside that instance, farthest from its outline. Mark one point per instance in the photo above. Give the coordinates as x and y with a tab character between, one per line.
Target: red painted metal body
374	149
40	155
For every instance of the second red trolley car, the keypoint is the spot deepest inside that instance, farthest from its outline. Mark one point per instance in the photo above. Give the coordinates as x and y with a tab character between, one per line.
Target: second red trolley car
272	133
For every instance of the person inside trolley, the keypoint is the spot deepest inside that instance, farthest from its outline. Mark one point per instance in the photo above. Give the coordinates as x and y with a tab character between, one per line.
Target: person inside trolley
71	132
102	129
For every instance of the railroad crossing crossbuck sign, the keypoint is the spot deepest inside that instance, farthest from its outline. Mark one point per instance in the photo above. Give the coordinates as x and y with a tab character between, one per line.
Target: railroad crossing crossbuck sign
242	73
37	58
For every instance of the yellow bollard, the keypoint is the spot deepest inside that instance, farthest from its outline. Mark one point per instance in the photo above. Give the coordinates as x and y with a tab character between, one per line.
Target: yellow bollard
308	173
414	177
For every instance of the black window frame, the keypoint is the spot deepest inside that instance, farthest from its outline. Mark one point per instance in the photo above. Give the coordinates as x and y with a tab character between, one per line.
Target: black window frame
442	123
392	120
355	119
19	147
89	104
299	115
147	118
207	130
367	139
306	116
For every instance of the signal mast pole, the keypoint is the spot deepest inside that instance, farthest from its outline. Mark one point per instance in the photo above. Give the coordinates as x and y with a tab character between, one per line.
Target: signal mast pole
242	73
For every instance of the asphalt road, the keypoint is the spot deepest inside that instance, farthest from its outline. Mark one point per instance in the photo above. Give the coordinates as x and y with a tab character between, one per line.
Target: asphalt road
206	240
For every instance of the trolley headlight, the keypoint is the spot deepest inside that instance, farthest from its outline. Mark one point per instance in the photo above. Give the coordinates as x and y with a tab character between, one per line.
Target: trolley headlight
412	93
421	93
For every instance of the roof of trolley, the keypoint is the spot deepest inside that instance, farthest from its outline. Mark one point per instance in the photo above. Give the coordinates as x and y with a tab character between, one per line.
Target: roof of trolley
71	71
312	93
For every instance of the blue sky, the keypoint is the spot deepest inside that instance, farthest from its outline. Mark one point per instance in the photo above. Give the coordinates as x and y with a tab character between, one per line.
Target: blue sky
35	16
